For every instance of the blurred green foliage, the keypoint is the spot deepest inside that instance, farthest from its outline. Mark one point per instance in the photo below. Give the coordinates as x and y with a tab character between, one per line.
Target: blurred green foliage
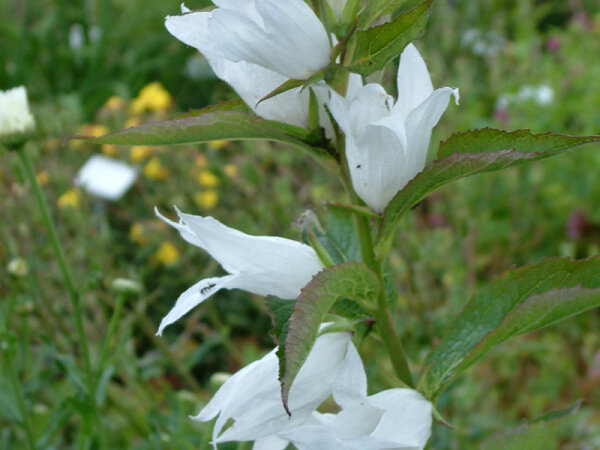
74	56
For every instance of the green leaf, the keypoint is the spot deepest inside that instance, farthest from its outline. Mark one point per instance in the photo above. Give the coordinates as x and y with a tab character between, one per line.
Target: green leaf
349	280
372	49
280	311
541	433
560	413
489	140
467	154
376	9
523	300
227	121
284	87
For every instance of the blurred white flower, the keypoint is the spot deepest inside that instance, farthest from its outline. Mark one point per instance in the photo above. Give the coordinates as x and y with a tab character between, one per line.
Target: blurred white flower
263	265
486	44
387	143
15	117
252	396
541	94
76	38
106	178
391	419
257	45
18	267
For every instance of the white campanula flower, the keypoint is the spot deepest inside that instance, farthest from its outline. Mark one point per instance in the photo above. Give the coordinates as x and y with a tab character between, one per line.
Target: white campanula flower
262	265
257	45
252	396
15	117
387	142
391	419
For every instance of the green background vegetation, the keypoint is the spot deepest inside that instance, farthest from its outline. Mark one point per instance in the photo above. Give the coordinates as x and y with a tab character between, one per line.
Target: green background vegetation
453	243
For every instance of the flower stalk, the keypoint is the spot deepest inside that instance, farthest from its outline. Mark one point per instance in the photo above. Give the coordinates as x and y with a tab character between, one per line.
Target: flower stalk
383	318
64	268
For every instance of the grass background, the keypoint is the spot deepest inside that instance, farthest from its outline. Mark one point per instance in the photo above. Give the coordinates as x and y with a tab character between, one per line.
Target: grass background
74	56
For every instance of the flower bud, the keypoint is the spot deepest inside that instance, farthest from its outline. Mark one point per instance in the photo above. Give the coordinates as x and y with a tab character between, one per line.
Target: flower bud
16	121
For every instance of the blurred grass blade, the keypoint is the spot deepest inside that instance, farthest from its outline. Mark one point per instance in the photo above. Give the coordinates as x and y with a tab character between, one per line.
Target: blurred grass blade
523	300
372	49
470	153
349	280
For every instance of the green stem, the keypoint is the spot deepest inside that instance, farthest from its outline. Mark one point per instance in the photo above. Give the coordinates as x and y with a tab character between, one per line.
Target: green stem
383	321
112	327
64	268
20	399
383	317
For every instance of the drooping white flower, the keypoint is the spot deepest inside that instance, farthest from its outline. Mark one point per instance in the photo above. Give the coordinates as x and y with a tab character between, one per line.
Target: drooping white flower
391	419
15	117
257	45
387	142
252	396
262	265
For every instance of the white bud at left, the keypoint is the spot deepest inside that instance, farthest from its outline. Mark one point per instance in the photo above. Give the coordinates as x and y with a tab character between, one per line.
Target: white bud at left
15	118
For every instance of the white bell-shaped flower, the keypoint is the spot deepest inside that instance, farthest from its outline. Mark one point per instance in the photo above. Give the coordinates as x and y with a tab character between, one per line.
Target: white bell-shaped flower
257	45
391	419
263	265
387	142
15	117
252	396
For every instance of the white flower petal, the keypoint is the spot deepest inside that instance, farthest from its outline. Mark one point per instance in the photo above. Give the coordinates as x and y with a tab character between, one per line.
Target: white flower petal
250	43
376	164
192	30
408	408
355	83
15	116
419	125
270	265
288	27
351	385
195	295
252	396
337	6
414	83
270	443
252	83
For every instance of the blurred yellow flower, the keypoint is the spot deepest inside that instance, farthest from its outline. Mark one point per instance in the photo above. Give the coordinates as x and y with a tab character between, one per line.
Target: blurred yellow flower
133	122
95	130
200	161
231	170
70	199
43	178
115	103
140	152
208	179
167	254
109	149
153	97
217	145
207	199
154	170
137	234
